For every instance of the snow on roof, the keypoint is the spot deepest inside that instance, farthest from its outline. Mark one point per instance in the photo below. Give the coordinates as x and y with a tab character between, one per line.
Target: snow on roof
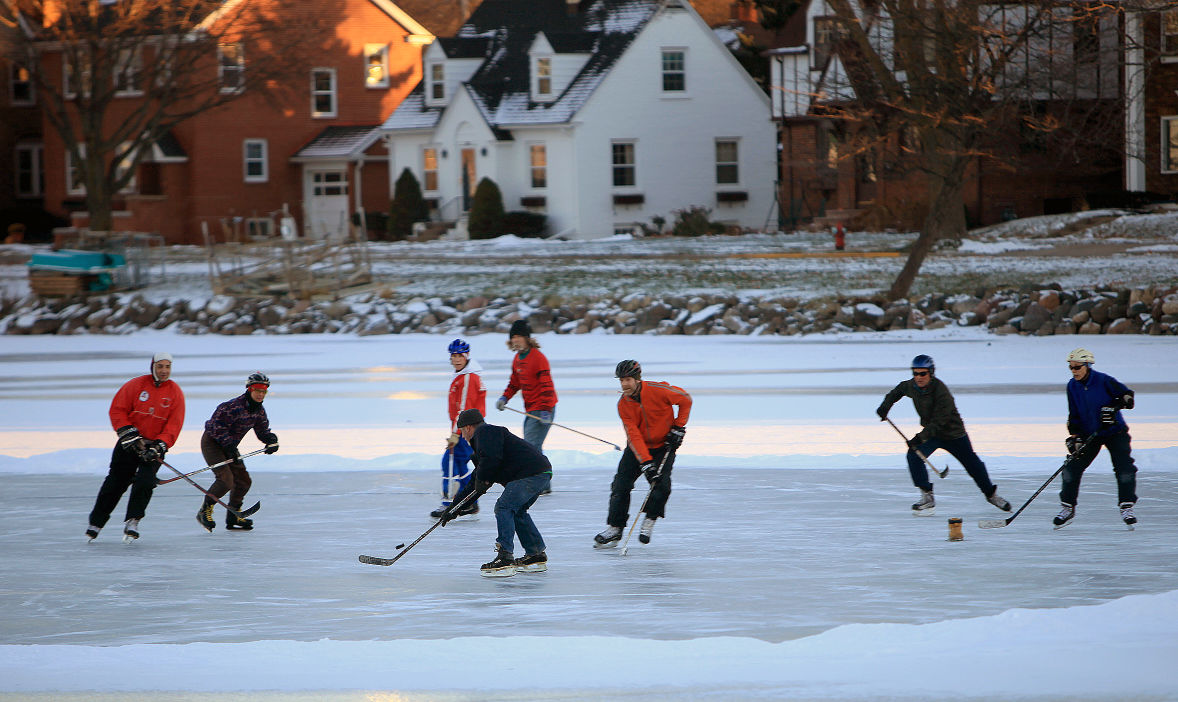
338	141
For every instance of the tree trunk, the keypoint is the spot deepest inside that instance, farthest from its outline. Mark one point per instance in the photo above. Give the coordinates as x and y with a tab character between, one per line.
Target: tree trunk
946	218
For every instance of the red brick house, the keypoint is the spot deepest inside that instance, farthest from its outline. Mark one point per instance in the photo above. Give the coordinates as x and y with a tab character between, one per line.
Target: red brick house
309	148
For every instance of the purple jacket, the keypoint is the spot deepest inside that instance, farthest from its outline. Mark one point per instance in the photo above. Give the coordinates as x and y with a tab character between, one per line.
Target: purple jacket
232	419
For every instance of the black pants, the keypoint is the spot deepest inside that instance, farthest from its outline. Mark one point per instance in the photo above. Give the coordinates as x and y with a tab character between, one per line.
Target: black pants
1123	467
232	478
126	470
624	479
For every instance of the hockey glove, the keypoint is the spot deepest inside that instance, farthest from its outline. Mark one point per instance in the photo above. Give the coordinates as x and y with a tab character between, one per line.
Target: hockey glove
914	443
501	403
153	451
451	441
1108	416
650	470
1073	443
481	487
448	514
271	440
128	437
1127	401
882	412
675	437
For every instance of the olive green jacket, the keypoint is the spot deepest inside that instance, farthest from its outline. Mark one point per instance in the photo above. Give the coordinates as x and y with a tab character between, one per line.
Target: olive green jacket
935	406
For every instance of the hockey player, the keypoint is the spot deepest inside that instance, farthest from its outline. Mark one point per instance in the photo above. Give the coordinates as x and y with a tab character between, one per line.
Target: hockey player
223	432
942	429
654	431
502	457
531	375
147	413
466	391
1095	401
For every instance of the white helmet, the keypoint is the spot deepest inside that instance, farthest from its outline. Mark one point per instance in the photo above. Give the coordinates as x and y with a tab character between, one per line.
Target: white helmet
1081	356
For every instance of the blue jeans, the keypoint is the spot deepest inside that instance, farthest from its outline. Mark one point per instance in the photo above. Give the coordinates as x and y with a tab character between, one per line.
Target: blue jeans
535	431
512	518
961	449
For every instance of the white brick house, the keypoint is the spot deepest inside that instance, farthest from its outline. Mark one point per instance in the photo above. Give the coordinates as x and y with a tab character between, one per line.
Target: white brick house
601	115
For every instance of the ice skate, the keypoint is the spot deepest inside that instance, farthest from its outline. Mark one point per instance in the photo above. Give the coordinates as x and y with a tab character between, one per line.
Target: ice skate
926	506
996	500
535	563
502	567
92	533
645	530
1127	515
1065	515
130	531
437	513
608	538
235	524
204	517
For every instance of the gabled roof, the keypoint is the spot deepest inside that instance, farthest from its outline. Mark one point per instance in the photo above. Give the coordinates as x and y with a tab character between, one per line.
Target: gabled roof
501	32
339	142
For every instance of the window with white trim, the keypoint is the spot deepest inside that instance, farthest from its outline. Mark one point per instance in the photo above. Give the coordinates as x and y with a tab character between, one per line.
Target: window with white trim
255	161
75	179
323	92
538	165
1170	33
376	65
429	168
624	169
674	70
543	77
1170	144
231	67
20	86
128	73
30	176
437	81
727	162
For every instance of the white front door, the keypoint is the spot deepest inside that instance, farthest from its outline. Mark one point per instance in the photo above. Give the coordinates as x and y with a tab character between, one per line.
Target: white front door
326	192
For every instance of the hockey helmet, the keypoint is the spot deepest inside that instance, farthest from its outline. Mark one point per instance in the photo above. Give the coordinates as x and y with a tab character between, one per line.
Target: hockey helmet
1081	356
628	369
257	378
458	346
925	361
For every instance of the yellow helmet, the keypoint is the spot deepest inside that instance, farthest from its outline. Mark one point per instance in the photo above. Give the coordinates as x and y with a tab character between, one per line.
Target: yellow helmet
1081	356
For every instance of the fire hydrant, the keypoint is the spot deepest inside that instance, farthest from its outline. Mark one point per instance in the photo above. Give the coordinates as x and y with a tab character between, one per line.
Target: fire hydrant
840	238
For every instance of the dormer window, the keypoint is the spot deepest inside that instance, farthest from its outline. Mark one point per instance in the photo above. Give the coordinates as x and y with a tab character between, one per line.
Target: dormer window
543	77
674	70
437	81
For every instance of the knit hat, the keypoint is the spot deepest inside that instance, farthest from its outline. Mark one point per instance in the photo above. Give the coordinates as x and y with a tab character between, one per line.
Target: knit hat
520	327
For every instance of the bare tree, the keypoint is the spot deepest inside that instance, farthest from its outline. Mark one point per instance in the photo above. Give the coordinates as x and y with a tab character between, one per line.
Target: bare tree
938	84
114	76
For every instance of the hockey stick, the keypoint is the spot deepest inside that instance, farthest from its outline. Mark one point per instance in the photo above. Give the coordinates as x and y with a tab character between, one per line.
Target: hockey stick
240	515
526	414
940	474
999	523
377	560
643	507
227	461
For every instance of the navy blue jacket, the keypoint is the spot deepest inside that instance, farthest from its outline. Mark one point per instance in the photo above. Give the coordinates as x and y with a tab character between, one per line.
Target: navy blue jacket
1086	397
501	457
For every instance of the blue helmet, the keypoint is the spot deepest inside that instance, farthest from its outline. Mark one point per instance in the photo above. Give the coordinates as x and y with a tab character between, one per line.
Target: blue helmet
458	346
924	361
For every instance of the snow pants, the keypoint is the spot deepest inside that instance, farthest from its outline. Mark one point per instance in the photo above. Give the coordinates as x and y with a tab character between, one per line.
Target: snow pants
126	470
960	448
623	483
232	478
1123	467
456	471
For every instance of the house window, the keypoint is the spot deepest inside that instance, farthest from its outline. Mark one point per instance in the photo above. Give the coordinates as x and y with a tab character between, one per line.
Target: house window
328	183
259	227
376	65
538	156
1170	144
254	160
674	71
323	92
75	75
1085	35
128	71
543	76
231	67
727	163
30	178
75	183
623	164
429	167
825	34
1170	33
437	81
20	86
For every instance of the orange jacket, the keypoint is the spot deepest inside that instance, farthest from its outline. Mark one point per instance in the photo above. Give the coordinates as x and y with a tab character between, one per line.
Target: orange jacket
648	418
157	412
467	391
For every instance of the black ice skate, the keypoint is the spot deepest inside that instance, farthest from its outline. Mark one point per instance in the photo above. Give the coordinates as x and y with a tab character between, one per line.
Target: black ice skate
204	516
608	538
92	533
926	506
130	531
645	530
502	567
235	524
1127	514
535	563
1064	518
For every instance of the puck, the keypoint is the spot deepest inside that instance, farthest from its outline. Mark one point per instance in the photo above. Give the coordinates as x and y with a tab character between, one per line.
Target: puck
400	546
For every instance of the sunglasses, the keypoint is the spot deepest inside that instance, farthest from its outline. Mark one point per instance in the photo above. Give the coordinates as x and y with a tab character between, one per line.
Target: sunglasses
1074	366
919	374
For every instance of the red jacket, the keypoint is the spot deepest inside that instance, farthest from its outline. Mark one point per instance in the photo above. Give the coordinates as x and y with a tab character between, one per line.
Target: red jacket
648	418
530	373
466	391
157	412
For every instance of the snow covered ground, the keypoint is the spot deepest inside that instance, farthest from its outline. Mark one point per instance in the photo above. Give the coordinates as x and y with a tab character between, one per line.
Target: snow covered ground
789	566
